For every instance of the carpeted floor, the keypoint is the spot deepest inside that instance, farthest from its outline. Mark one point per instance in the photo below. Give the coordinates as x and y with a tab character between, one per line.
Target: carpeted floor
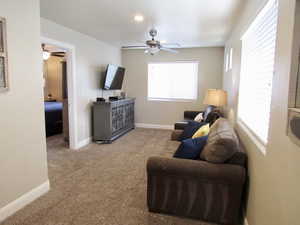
100	184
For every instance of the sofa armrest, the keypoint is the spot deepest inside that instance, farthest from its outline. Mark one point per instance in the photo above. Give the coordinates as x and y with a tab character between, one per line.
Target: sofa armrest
200	170
191	114
195	189
180	125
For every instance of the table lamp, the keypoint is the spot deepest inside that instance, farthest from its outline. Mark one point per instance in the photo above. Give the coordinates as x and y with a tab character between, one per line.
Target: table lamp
215	98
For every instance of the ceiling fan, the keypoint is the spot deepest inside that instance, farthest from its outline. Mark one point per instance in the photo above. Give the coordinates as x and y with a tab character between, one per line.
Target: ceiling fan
47	52
153	46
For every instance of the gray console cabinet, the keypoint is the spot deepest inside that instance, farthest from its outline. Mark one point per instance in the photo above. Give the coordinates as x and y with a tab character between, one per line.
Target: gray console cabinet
112	119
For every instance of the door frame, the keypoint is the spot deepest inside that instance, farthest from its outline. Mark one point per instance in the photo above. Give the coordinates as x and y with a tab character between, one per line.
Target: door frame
72	90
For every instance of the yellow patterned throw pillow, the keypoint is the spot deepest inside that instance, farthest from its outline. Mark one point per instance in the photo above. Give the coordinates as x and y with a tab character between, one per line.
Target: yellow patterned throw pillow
202	131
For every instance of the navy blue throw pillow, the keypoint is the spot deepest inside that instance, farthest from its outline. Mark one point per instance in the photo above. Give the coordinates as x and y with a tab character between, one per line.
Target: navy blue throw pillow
190	129
191	148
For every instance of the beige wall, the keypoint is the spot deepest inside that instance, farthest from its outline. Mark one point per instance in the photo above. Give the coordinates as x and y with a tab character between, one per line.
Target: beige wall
53	78
92	56
23	163
161	112
274	177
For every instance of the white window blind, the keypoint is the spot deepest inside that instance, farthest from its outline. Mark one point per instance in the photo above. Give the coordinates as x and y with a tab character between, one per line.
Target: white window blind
230	58
258	54
227	63
173	81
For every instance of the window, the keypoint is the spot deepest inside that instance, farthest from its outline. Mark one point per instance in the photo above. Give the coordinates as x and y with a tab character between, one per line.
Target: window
227	63
230	58
173	81
258	54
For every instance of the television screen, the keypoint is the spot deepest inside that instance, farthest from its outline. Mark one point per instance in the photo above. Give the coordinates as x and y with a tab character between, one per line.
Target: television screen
114	77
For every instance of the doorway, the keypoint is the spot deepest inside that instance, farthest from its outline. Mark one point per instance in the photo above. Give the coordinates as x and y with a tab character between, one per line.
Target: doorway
58	74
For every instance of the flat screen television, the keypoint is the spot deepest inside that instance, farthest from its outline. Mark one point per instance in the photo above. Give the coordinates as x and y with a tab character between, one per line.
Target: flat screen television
114	77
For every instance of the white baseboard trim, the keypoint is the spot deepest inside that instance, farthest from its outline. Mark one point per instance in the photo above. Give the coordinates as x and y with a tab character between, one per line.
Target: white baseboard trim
154	126
83	143
24	200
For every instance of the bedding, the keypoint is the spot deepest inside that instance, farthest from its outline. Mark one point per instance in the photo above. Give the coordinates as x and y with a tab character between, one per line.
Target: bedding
53	106
53	118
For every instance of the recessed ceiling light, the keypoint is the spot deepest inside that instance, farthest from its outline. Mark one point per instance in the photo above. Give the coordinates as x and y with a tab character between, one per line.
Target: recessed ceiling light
138	18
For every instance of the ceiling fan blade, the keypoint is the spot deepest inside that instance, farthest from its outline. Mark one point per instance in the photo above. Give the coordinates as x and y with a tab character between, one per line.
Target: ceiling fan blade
176	45
58	55
135	47
168	50
58	52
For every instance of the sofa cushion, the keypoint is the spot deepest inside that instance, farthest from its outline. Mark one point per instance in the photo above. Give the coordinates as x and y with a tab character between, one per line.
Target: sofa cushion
202	131
191	148
199	117
190	129
207	111
220	150
222	142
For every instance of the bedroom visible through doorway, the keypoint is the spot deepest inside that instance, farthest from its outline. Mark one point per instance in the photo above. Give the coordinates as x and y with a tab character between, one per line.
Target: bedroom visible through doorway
56	92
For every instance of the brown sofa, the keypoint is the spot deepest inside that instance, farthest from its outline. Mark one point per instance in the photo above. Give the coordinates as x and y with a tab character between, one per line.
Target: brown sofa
197	188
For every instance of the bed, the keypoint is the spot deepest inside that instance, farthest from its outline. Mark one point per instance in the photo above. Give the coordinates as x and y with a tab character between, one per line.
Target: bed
53	118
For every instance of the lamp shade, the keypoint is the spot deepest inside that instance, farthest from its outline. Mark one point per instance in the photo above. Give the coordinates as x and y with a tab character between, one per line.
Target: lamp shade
215	97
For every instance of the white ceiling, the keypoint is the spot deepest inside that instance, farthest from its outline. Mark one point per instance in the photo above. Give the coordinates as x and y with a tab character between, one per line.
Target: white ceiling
188	22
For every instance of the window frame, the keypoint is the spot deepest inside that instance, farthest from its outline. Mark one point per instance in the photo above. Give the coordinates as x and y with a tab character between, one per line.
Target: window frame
174	99
257	140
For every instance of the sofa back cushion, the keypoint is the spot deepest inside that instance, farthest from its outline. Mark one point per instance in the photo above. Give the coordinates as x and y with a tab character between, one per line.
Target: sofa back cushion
222	143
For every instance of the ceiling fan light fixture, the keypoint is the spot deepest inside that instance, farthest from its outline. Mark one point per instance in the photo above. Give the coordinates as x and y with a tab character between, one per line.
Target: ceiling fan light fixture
139	18
46	55
152	50
153	45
